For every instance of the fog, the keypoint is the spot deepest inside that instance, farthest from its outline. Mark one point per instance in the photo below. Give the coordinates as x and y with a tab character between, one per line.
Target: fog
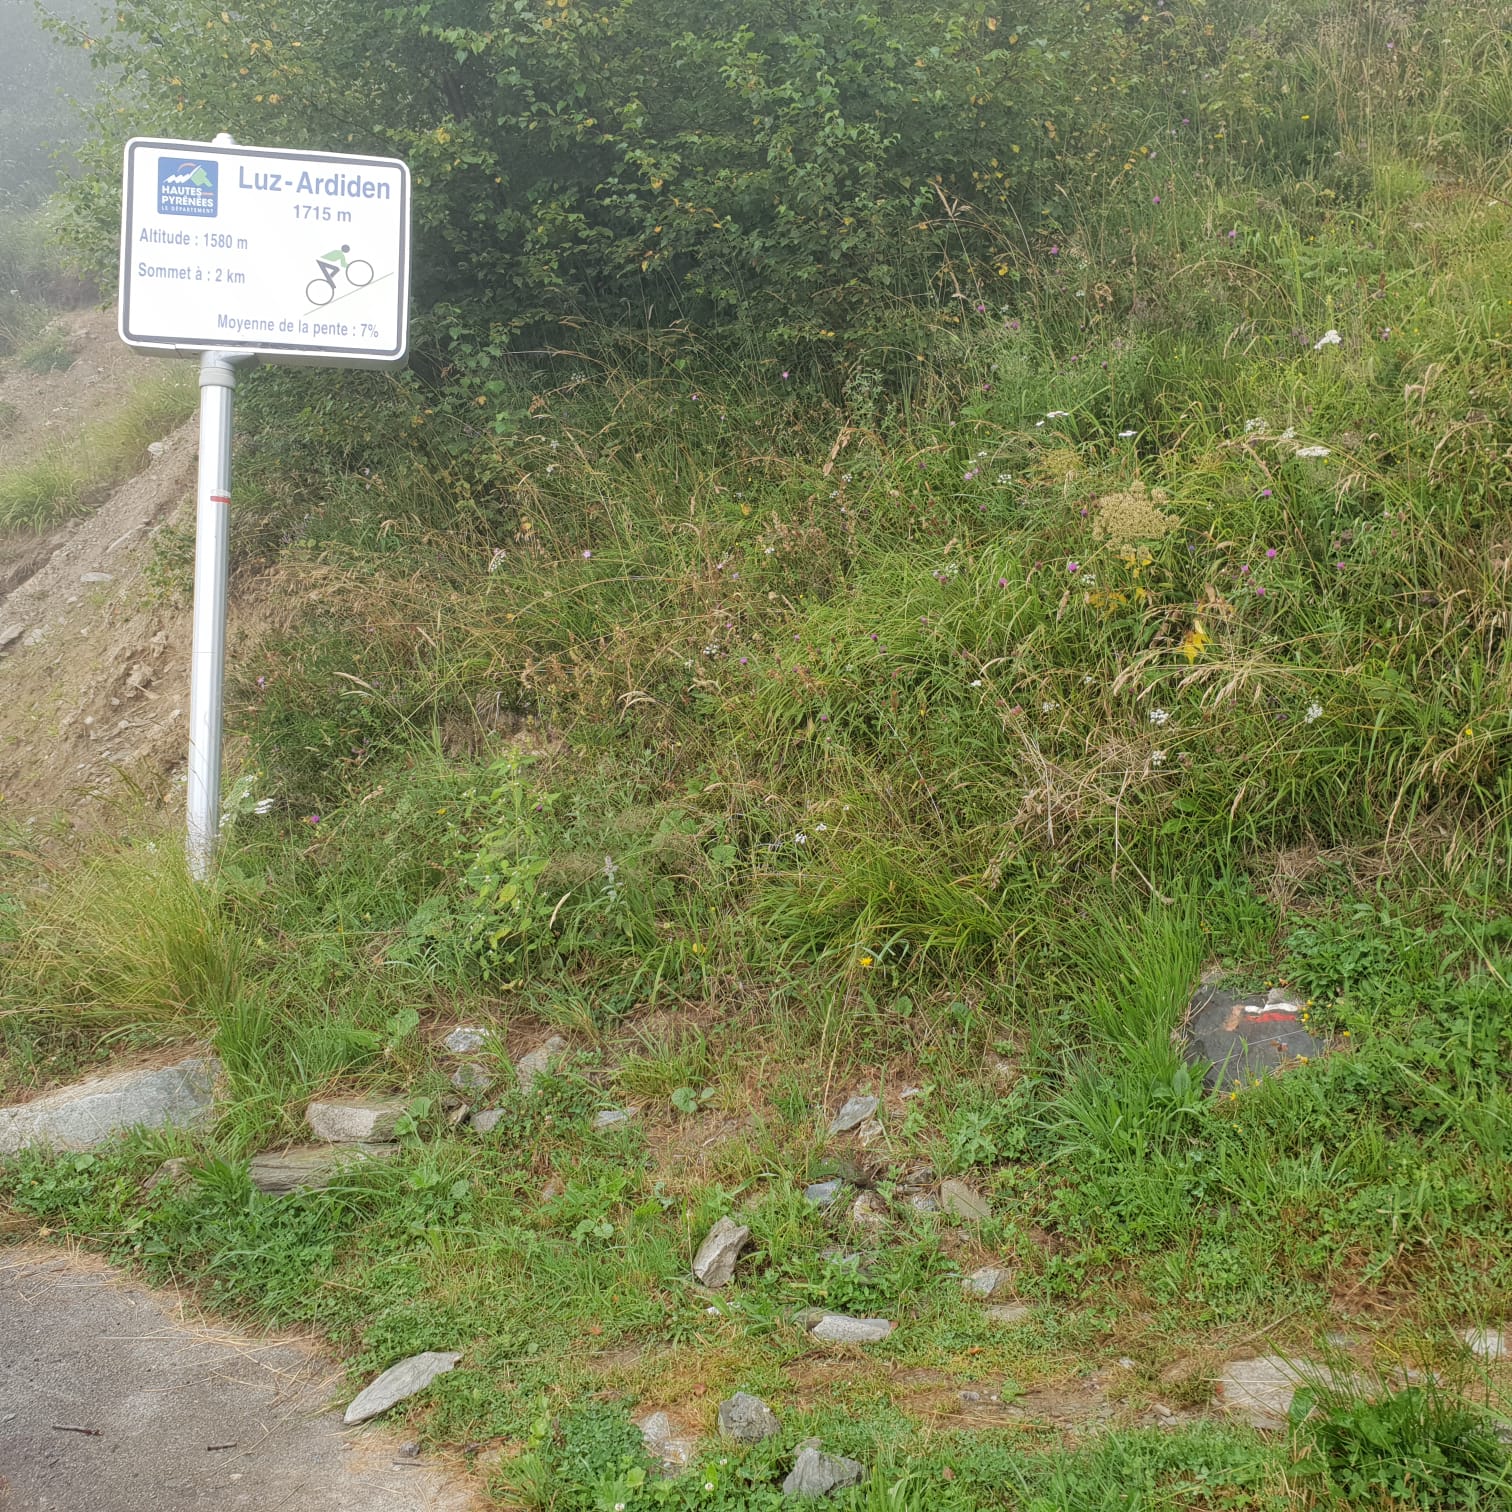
40	78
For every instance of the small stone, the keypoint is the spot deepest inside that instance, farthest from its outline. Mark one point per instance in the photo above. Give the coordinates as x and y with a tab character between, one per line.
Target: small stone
156	448
607	1118
309	1168
409	1449
985	1282
465	1039
908	1092
9	633
856	1111
815	1473
714	1264
870	1133
747	1419
960	1201
837	1328
1008	1313
823	1193
471	1077
869	1211
1162	1411
922	1202
97	577
529	1067
398	1382
971	1396
174	1174
1488	1343
351	1121
663	1440
486	1121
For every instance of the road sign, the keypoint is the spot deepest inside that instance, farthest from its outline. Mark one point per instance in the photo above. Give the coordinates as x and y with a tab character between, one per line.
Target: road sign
300	257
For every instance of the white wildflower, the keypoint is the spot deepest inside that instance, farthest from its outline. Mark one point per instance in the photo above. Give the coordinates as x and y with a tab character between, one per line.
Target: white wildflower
1124	435
1159	716
496	561
1056	414
1314	711
263	806
800	838
821	828
1157	758
1328	338
1257	424
976	682
1288	434
1046	707
1312	451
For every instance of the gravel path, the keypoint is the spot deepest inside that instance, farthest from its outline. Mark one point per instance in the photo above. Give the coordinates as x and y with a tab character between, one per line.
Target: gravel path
181	1416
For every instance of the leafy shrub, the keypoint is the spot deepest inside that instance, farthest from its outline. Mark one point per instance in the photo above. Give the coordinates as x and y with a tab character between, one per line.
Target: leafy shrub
1413	1448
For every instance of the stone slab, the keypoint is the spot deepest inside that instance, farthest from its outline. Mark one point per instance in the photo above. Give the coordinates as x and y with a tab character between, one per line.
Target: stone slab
1243	1037
837	1328
309	1168
399	1381
854	1113
93	1111
371	1120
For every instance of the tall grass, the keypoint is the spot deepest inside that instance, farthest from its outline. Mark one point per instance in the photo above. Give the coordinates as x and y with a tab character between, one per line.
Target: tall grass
71	476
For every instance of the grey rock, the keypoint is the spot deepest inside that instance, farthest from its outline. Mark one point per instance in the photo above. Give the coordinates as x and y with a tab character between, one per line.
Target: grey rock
1008	1313
538	1061
870	1133
398	1382
173	1174
97	577
471	1077
486	1121
1488	1343
985	1282
836	1328
856	1111
465	1039
309	1168
1260	1392
823	1193
909	1092
91	1112
354	1120
156	448
1242	1038
714	1264
815	1474
9	633
869	1211
747	1419
961	1201
663	1440
922	1202
607	1118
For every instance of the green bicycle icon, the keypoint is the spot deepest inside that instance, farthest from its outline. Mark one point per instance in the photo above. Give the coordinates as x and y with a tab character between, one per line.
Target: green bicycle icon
322	290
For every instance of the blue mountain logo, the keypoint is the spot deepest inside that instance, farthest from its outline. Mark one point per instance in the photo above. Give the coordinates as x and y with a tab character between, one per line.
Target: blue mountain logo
186	187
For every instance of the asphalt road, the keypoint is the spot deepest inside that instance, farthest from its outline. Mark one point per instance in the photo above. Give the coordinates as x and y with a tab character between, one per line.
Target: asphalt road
181	1415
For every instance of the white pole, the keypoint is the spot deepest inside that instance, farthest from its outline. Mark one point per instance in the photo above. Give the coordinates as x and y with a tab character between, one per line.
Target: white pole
212	557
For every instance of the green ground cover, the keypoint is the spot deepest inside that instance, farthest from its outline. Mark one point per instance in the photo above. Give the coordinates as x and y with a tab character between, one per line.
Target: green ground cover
776	724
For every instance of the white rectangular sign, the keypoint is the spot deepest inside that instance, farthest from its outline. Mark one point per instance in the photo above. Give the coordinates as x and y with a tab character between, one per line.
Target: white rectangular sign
300	256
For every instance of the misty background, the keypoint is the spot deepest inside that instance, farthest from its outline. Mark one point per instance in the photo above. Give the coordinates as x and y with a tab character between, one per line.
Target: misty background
41	78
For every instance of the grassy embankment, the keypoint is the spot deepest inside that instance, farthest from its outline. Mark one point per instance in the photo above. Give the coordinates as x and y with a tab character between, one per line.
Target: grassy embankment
774	736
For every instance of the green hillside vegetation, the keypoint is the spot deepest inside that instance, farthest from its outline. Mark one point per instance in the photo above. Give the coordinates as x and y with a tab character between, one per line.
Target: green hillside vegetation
903	683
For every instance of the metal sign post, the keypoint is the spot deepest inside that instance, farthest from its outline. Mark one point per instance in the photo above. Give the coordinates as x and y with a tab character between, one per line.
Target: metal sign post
212	564
246	254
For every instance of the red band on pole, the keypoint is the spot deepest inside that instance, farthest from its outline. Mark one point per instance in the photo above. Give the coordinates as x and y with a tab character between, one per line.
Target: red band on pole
220	498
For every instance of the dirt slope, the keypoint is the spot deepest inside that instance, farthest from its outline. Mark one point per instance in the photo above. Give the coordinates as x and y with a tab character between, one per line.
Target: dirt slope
94	668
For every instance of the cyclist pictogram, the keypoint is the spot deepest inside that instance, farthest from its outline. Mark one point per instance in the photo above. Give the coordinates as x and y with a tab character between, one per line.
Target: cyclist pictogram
322	290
